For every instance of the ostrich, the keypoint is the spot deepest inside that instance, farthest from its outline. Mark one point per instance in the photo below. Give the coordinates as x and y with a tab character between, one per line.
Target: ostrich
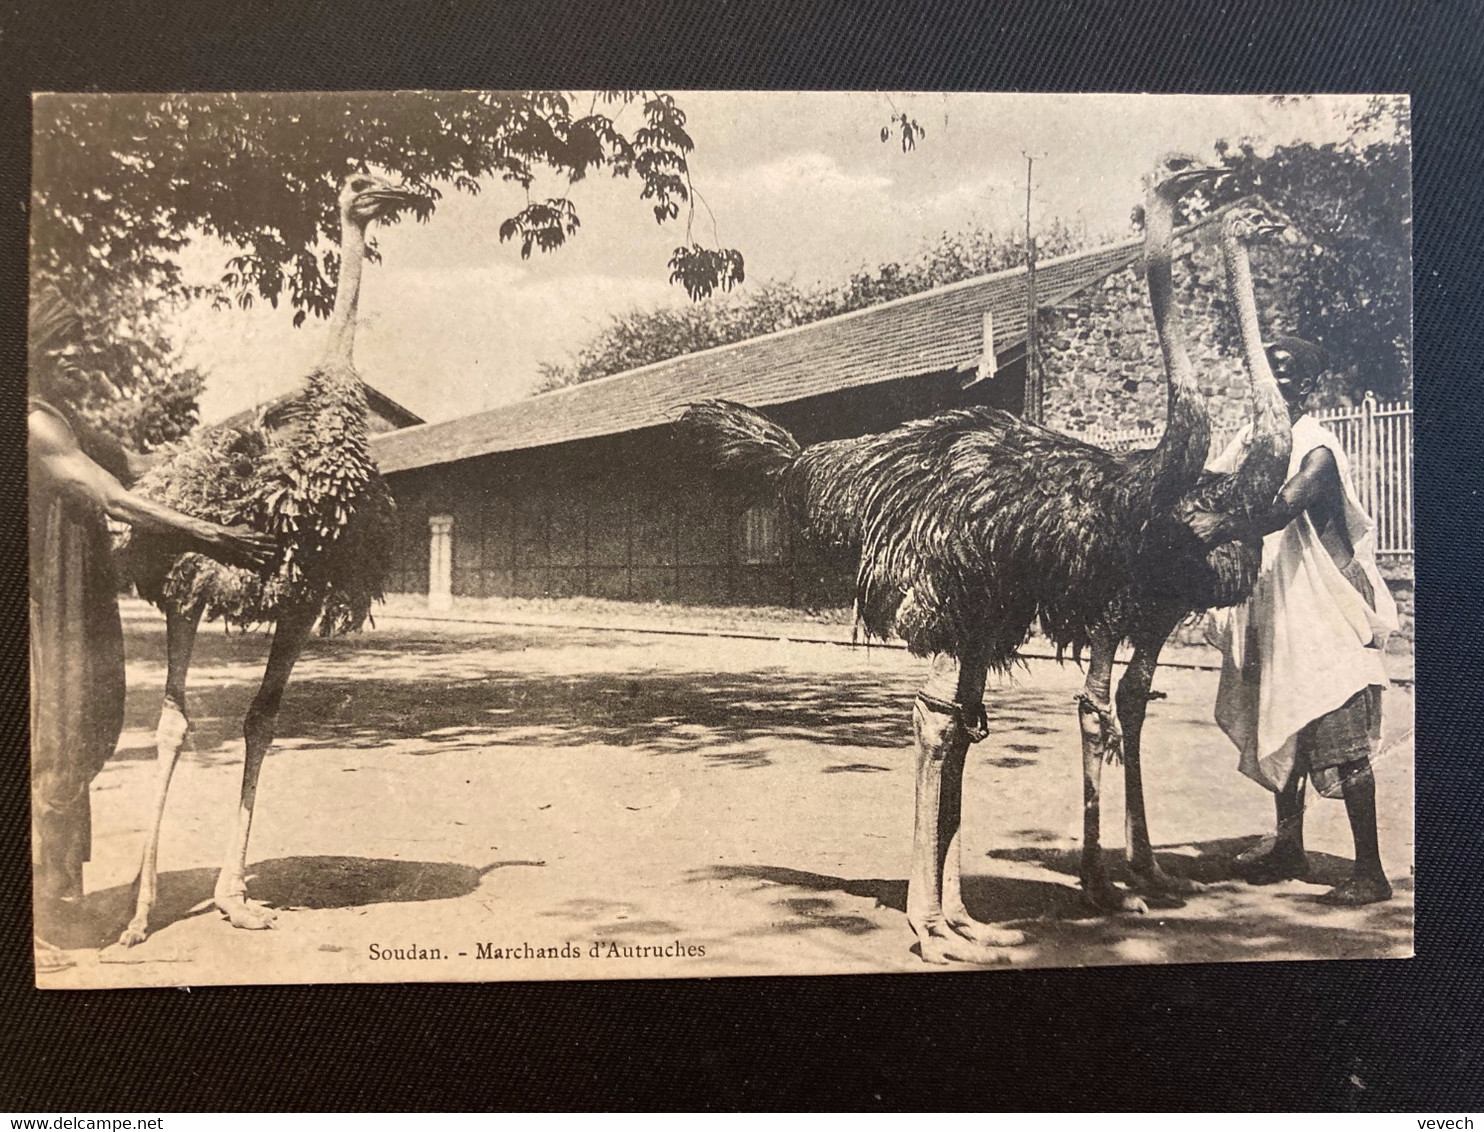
971	526
1176	575
302	472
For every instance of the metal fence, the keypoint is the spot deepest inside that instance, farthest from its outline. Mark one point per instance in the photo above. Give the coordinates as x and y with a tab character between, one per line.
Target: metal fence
1377	438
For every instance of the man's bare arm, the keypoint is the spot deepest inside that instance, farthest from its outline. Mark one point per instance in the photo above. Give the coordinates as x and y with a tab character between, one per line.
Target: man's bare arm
57	458
1317	480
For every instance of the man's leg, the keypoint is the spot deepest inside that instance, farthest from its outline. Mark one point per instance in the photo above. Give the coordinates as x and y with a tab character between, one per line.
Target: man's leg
1367	884
1286	860
1343	742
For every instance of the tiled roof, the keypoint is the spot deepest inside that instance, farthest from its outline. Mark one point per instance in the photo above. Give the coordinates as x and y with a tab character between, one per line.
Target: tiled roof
930	332
395	414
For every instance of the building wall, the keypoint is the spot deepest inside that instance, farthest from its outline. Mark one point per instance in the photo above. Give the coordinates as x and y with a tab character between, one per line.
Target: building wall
1100	353
618	518
629	517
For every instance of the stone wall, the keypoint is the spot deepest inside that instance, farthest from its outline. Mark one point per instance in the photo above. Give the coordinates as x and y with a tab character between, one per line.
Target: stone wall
1401	581
1100	354
1102	367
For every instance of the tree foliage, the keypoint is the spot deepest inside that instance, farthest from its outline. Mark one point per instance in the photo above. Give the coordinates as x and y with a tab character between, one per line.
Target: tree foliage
123	183
120	372
642	336
1348	287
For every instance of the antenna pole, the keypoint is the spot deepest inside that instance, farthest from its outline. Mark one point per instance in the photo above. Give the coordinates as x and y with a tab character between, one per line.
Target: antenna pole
1035	409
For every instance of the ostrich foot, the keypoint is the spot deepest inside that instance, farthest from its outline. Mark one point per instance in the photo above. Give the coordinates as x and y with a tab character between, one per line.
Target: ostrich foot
941	943
1154	880
962	924
1105	896
135	933
244	913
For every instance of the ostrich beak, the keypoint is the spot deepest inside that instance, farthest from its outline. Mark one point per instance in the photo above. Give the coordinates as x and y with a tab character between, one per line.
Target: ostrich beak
1198	175
387	202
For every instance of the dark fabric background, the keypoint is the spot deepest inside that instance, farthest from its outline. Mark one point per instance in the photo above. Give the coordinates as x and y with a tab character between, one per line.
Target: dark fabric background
1398	1035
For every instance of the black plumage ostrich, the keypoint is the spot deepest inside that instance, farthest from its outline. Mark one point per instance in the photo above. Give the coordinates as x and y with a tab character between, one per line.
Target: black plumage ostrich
970	527
1176	575
303	473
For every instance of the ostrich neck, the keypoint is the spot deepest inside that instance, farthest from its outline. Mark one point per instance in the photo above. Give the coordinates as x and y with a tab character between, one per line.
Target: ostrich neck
342	336
1181	452
1267	462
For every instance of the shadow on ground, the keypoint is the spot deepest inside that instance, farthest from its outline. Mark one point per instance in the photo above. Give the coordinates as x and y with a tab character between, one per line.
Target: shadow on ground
284	882
433	695
1210	862
1227	920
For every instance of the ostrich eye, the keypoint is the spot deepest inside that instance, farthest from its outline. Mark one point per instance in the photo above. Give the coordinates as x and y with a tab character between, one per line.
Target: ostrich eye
1178	163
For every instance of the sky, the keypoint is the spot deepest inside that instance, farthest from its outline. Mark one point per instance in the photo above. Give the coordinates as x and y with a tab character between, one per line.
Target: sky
453	322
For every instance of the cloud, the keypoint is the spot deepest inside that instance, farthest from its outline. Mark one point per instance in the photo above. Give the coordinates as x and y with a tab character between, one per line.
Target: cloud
805	173
486	344
444	343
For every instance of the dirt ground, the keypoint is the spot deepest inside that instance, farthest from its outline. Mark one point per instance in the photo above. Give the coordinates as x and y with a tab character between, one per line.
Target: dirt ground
644	805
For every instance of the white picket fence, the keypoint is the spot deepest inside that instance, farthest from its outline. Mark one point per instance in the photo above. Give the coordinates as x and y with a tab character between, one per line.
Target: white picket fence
1377	438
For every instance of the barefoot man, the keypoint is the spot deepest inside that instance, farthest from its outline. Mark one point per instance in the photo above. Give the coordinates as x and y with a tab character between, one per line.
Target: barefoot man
77	644
1300	691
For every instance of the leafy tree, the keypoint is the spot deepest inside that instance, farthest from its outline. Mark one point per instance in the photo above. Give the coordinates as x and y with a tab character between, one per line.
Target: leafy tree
121	373
1349	286
125	182
641	337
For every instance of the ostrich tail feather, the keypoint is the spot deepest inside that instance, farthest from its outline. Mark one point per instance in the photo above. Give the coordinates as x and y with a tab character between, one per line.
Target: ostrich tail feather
970	526
738	443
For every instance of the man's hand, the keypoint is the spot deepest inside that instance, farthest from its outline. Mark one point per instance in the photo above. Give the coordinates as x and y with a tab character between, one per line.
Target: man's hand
1211	527
239	546
1316	485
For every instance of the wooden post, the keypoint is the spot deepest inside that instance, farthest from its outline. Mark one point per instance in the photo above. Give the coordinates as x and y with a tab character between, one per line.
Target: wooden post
1371	474
440	563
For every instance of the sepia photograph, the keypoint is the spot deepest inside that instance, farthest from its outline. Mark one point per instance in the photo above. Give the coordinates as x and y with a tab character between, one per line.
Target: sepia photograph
545	535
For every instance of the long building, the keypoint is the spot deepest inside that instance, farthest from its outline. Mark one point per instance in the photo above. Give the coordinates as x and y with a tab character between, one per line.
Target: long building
582	491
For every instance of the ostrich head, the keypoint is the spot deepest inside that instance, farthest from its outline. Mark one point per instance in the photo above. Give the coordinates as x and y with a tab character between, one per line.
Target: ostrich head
1250	223
1175	174
365	197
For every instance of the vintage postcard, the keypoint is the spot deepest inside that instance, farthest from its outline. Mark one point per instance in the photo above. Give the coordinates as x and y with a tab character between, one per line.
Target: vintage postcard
572	535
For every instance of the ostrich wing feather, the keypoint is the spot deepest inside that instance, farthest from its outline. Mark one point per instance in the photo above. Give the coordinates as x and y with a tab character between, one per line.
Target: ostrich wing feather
312	486
738	443
969	526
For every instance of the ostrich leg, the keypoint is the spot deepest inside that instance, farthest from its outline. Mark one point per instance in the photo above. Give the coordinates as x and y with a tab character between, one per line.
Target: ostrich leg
170	737
1100	741
1133	701
935	908
258	729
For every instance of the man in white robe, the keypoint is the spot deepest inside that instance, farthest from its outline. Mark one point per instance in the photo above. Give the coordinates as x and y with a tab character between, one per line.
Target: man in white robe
1300	691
